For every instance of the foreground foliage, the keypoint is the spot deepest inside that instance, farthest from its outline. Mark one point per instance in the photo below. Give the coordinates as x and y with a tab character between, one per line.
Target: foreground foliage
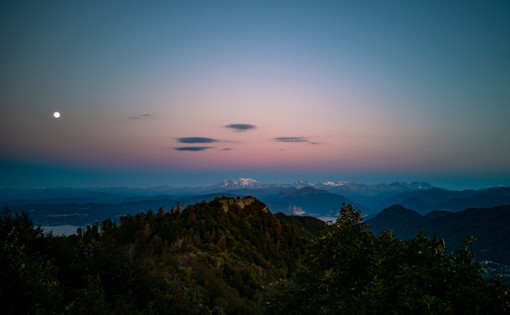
232	256
349	270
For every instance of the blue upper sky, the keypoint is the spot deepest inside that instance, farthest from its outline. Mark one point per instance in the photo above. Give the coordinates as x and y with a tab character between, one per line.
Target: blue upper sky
149	91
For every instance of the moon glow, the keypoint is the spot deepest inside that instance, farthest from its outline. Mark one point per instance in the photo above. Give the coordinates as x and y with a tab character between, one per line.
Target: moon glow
56	114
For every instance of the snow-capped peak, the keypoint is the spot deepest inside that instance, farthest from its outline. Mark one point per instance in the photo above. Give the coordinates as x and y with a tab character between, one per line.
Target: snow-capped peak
337	184
302	184
239	182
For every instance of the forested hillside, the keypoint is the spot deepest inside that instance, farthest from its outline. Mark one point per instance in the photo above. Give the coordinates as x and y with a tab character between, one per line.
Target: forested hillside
215	256
232	256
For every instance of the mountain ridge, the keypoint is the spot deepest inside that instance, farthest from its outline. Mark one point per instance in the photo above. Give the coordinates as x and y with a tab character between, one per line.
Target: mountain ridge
301	198
488	225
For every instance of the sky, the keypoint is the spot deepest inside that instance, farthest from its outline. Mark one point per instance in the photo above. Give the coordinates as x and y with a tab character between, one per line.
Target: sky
193	92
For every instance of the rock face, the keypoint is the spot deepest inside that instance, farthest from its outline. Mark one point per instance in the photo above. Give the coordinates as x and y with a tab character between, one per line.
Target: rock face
240	203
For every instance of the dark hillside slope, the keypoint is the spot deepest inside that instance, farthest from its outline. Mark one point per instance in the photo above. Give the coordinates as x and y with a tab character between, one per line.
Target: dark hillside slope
491	227
309	226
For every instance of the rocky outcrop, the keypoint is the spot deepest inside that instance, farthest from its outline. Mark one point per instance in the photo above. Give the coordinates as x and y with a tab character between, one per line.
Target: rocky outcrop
240	203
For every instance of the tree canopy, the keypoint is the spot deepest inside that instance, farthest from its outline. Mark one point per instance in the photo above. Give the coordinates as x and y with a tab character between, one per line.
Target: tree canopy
232	256
348	270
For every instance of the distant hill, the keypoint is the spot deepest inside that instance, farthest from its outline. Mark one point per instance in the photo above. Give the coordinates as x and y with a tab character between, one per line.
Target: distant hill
491	226
404	222
424	201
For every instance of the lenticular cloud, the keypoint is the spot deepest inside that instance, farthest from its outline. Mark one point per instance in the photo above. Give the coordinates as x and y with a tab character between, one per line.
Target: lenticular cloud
240	127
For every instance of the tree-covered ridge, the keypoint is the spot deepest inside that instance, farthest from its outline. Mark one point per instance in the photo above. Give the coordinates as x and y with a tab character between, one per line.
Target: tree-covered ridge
232	256
216	256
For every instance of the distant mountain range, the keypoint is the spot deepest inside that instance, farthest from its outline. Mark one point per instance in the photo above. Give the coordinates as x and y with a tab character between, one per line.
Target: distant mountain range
85	205
341	187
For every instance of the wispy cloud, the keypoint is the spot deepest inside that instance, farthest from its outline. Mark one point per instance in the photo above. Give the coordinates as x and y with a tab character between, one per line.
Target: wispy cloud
294	140
196	140
141	116
227	149
291	139
240	127
194	149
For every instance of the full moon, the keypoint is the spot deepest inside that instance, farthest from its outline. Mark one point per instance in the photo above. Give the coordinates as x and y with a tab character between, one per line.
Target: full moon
56	114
